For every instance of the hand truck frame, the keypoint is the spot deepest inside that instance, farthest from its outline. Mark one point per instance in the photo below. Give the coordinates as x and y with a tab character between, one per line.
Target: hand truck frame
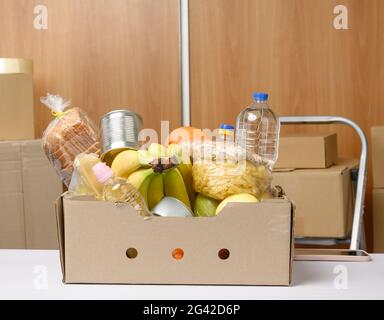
357	240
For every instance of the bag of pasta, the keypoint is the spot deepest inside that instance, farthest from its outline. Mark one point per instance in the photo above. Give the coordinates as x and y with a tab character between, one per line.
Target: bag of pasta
222	169
68	135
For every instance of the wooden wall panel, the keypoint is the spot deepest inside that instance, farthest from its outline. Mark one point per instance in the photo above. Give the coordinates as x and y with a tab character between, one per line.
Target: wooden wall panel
290	49
103	54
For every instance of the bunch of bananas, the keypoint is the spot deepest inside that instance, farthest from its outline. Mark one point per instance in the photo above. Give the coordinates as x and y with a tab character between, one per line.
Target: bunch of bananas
156	173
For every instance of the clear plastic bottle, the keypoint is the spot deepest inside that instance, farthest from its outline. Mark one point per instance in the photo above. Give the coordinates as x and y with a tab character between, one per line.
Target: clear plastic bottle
119	189
258	130
226	133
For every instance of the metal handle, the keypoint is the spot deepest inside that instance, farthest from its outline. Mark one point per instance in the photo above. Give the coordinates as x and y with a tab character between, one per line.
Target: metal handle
361	182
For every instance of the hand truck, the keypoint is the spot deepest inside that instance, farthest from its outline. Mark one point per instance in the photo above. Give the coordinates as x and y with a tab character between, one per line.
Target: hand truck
357	238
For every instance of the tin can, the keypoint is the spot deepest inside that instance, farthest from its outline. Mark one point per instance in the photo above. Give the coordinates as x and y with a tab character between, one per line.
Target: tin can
119	131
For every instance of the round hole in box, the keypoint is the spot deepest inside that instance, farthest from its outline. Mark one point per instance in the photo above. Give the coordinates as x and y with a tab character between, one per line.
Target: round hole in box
178	254
224	254
131	253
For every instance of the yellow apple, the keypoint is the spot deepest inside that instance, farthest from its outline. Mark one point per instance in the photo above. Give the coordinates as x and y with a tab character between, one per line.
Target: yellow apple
241	197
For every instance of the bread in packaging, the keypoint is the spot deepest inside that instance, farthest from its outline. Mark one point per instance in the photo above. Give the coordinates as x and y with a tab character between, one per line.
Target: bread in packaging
71	133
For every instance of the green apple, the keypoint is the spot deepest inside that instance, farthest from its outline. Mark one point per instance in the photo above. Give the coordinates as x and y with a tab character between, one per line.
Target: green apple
205	207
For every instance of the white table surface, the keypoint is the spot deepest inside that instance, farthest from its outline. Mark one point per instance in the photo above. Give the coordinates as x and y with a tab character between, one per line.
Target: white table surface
37	275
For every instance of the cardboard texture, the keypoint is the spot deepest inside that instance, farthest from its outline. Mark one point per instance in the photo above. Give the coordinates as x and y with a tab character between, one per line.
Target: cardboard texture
94	237
378	220
307	151
324	199
41	187
16	100
377	134
12	229
28	189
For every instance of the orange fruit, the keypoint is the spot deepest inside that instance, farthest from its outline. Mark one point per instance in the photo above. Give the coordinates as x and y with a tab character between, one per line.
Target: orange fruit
185	134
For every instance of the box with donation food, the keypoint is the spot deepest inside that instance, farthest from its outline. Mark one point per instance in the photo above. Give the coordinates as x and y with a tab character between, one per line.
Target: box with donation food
199	209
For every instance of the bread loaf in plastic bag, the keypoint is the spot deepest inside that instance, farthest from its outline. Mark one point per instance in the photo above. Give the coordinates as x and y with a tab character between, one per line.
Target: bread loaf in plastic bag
68	135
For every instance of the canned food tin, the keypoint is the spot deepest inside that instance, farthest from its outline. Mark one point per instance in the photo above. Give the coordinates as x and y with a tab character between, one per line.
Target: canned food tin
119	131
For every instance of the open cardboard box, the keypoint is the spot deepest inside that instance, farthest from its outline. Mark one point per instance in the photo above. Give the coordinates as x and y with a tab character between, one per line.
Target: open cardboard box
94	238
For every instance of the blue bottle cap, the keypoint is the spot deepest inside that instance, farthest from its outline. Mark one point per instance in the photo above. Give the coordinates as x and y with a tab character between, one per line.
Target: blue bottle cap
260	96
227	127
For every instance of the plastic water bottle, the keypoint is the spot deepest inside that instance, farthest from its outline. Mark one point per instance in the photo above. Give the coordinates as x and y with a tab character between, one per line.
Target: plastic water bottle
258	130
226	133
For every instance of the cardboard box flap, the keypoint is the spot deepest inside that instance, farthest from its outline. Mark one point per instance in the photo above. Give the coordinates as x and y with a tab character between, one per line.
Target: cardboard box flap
60	232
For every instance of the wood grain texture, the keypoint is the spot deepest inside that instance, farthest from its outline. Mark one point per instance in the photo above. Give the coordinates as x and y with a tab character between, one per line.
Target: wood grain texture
102	54
291	50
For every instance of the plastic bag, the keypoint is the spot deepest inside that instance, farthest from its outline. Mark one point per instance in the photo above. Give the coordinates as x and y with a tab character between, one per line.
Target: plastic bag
68	135
222	169
84	181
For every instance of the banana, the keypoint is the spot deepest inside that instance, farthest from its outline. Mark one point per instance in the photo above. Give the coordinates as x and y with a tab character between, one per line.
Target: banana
144	188
125	163
141	180
176	151
185	168
144	157
174	186
155	190
160	179
186	171
157	151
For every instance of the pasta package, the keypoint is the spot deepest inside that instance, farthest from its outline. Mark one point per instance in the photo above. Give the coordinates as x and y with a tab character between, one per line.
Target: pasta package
71	133
222	169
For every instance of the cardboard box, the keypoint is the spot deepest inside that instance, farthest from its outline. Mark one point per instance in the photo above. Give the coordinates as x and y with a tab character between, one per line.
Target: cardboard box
307	151
16	100
94	238
324	199
41	187
12	229
377	134
378	220
28	189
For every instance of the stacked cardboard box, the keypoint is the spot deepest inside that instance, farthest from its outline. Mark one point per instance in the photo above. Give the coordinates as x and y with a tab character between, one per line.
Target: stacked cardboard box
319	183
378	188
28	189
307	151
16	100
28	183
